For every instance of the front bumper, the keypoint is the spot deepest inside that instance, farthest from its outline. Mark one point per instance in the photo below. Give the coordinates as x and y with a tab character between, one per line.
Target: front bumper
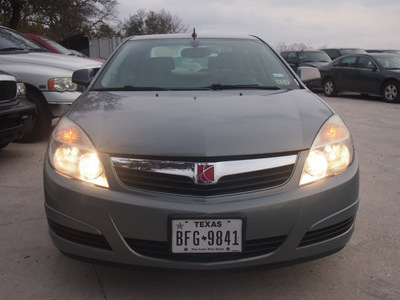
315	84
60	102
15	121
129	226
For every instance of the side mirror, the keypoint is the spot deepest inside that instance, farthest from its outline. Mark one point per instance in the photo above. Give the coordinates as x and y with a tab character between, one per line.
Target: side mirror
84	76
307	74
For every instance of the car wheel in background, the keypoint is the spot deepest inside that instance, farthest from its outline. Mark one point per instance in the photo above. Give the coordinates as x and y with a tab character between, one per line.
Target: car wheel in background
329	87
391	92
42	121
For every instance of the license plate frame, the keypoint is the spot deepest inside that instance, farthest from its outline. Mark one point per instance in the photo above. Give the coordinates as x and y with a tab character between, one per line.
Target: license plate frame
207	235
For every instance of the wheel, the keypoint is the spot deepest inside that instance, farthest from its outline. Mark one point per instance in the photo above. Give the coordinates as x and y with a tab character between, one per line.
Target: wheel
391	92
42	122
329	88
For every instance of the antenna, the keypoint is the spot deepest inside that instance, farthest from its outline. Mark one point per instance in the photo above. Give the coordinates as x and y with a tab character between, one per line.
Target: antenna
194	34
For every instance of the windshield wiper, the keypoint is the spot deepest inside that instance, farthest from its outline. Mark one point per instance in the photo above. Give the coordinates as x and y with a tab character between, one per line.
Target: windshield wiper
14	49
218	86
130	88
36	50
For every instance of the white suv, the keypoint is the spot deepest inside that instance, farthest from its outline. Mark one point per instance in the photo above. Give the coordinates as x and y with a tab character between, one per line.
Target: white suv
47	77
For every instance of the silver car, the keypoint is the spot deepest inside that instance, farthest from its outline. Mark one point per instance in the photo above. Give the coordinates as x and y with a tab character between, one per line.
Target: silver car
199	152
47	77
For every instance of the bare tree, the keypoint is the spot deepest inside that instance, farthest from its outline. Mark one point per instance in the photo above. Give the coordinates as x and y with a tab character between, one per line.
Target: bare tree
61	18
281	46
153	23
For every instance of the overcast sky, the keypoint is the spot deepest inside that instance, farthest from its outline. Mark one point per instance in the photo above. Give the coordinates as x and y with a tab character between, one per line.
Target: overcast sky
335	23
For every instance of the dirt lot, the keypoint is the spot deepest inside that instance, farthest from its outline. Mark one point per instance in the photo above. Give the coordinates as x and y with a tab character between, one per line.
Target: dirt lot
367	268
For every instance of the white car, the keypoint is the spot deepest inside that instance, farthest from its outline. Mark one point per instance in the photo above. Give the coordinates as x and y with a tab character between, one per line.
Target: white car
47	77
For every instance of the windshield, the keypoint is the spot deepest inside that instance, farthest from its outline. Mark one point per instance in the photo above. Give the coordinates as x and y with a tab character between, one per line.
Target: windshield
314	57
57	46
177	64
389	62
13	41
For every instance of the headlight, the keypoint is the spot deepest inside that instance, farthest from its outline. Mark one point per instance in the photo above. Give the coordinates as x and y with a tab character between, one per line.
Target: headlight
62	84
331	152
21	89
72	154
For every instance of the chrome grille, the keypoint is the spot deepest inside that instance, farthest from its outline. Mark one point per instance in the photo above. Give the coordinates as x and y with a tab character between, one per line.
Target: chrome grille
180	177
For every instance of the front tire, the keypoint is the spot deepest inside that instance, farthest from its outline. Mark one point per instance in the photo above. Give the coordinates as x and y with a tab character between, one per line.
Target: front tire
329	88
42	122
391	92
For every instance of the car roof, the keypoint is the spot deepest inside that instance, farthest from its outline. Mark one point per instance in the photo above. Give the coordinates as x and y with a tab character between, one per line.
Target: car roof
341	49
383	54
189	35
371	55
32	34
7	28
301	51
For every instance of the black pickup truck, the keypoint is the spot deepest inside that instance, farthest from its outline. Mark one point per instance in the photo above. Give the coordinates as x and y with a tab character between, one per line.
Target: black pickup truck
16	113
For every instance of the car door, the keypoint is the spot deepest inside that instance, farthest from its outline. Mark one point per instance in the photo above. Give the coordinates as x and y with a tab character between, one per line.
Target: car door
368	76
346	74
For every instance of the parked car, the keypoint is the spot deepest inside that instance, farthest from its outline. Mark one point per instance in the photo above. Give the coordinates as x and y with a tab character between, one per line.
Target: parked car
199	152
49	44
338	52
310	58
16	114
374	74
47	77
53	46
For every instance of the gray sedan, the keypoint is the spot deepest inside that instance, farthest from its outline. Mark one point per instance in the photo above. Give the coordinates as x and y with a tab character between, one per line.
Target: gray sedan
368	74
199	152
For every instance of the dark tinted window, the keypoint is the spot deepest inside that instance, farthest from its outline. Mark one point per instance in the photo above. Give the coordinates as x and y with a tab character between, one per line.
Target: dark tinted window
292	57
313	57
334	54
348	62
365	63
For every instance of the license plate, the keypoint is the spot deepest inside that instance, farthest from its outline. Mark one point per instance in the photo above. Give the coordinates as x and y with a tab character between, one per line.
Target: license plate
206	235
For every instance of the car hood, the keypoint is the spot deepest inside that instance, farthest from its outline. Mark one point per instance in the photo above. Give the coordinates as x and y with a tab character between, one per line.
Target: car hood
200	124
51	59
6	76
